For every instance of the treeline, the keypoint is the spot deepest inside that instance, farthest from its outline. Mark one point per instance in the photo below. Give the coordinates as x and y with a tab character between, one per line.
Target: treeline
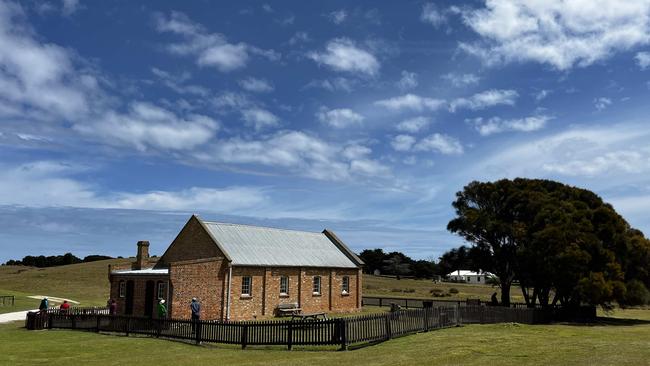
397	264
42	261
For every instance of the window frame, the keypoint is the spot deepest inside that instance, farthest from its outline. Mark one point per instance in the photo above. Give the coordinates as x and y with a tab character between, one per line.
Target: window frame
316	285
250	286
161	286
284	279
345	285
121	289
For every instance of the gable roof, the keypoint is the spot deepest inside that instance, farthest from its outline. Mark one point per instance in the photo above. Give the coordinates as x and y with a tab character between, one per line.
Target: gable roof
246	245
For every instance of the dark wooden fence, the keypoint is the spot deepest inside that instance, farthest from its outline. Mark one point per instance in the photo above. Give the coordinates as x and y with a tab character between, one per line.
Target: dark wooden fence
341	332
417	303
7	300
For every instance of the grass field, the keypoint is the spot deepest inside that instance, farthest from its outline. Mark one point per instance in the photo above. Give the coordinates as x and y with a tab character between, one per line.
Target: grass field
498	344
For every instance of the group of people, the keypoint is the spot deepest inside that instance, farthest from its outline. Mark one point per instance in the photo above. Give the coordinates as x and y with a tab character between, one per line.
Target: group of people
45	304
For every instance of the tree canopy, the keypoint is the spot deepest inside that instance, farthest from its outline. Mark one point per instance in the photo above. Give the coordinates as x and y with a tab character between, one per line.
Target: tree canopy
562	243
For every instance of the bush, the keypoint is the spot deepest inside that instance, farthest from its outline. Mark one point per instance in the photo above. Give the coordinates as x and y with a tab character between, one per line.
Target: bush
409	290
637	293
453	290
435	291
396	290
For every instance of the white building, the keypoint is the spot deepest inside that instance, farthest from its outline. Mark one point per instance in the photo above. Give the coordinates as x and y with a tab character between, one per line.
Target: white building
462	275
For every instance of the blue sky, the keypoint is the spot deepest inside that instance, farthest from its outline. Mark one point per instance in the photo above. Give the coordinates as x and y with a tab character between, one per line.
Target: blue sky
118	120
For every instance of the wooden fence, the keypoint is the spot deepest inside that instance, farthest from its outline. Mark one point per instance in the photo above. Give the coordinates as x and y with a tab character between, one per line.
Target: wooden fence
7	300
417	303
341	332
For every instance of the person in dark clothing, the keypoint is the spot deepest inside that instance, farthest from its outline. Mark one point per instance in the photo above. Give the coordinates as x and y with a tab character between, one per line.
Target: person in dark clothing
112	307
195	306
44	305
493	300
162	309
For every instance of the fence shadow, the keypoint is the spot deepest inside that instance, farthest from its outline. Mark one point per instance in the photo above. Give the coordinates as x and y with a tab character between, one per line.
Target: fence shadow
608	321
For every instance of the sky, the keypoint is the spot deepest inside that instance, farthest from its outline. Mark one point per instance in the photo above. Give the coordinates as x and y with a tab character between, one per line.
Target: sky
119	120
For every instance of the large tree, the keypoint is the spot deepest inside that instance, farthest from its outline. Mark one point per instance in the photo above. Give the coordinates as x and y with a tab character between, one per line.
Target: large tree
563	244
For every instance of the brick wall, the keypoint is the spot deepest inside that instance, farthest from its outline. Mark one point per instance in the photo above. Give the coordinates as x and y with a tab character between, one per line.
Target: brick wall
265	292
193	242
204	279
139	292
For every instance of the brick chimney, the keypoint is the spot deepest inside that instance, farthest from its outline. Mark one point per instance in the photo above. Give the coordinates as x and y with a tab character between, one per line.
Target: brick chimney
142	259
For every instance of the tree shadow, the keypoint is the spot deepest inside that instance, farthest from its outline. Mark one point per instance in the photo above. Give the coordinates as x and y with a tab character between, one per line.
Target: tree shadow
607	321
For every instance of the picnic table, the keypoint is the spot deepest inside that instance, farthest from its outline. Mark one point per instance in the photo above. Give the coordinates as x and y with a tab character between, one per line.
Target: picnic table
309	316
288	309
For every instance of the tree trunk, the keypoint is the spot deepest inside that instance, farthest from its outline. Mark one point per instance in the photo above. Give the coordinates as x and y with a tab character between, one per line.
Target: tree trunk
505	293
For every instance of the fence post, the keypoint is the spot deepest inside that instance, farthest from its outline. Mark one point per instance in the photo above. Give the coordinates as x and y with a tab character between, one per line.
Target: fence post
244	336
127	325
158	326
388	330
343	335
74	322
98	320
48	318
380	302
290	335
406	303
458	320
198	327
425	320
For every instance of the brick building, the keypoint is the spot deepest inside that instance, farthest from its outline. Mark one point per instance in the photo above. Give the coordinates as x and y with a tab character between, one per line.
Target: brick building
241	272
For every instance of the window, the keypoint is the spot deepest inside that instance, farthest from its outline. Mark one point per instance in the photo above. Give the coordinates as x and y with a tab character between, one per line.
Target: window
478	279
162	290
122	291
246	284
345	285
284	285
316	285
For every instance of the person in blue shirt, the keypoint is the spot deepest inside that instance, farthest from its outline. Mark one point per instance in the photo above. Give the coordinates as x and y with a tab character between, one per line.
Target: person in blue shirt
195	306
44	304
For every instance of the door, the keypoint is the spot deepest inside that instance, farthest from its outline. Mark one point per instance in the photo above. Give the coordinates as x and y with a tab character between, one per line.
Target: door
128	306
148	299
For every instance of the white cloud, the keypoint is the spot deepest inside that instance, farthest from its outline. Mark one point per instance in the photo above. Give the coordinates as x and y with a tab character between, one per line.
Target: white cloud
299	37
338	16
602	103
625	161
369	168
485	99
342	54
177	83
339	118
560	33
403	142
51	183
333	84
459	80
260	118
643	59
70	7
431	14
494	125
409	80
541	95
411	101
39	79
256	85
294	151
148	126
210	49
414	124
441	143
354	152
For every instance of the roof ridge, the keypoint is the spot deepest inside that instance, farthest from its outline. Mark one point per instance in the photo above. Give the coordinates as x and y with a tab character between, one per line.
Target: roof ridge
262	227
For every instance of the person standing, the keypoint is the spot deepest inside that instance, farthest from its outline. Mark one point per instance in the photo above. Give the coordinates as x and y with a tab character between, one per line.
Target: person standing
195	306
162	309
44	305
112	307
493	300
64	307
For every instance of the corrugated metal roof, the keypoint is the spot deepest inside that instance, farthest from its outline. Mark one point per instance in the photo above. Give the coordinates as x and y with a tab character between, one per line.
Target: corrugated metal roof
262	246
147	271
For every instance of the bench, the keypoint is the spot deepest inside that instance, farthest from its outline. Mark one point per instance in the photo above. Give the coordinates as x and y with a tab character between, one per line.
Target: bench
288	309
310	316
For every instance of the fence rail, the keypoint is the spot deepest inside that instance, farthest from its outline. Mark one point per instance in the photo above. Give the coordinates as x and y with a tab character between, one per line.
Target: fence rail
342	332
7	300
417	303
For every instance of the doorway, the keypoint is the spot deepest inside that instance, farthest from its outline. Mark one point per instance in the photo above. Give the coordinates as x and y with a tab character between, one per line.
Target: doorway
148	299
128	306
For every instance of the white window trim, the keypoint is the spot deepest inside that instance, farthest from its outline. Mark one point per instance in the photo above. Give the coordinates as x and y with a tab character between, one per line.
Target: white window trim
343	290
163	286
250	286
284	293
121	291
320	284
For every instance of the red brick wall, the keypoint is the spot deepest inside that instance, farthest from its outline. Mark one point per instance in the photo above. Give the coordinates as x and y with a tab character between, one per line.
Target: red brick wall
193	242
204	279
265	295
139	292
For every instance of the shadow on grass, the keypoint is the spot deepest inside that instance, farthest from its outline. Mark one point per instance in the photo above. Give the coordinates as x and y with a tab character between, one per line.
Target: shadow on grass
607	321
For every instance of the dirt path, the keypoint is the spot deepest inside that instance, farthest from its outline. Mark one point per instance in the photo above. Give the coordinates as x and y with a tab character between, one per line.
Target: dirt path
15	316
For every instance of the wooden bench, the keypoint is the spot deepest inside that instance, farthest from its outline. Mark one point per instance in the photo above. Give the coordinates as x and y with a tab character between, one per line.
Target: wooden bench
288	309
310	316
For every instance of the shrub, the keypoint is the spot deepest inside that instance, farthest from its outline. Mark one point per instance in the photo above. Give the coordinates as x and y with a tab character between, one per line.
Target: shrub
396	290
409	290
453	290
435	291
637	293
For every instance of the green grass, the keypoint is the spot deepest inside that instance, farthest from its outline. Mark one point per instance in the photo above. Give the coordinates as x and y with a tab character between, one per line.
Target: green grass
22	302
496	344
